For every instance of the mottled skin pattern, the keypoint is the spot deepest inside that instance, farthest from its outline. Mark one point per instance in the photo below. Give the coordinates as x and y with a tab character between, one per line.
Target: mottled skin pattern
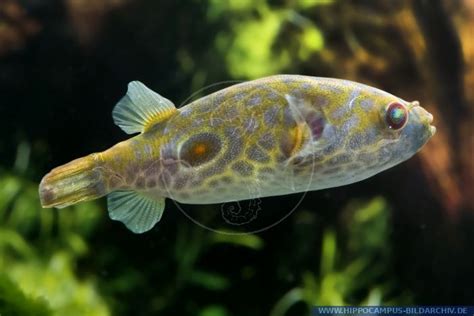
248	141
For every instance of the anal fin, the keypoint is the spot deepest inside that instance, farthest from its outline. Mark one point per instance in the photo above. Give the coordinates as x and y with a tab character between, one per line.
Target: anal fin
137	211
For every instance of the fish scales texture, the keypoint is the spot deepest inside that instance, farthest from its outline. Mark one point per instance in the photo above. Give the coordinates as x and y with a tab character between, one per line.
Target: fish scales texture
272	136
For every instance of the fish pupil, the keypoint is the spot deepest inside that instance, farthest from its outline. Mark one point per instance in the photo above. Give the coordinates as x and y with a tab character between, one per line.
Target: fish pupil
396	116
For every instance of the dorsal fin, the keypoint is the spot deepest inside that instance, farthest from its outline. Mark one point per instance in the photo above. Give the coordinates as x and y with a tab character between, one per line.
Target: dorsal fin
141	108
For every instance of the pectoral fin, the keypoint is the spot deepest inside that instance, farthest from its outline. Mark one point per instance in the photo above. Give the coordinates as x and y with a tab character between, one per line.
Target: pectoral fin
311	131
141	108
138	212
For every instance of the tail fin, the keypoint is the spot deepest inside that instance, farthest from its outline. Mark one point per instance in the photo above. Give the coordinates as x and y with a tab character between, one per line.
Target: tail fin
77	181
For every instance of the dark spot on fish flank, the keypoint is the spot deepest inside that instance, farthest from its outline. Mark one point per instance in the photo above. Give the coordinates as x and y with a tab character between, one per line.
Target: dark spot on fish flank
317	157
272	95
239	96
370	136
254	100
288	80
235	146
306	86
114	182
151	183
140	183
226	179
256	154
250	125
214	183
230	114
298	94
232	131
129	180
355	142
266	170
180	182
138	155
366	104
218	167
243	168
200	149
209	172
267	141
132	172
216	122
271	115
289	119
152	169
321	101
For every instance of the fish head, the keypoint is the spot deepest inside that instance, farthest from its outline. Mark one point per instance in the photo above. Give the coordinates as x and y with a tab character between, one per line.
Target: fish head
389	131
416	131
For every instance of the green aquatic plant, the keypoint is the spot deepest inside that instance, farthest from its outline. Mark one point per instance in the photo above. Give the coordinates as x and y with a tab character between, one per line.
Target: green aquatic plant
352	263
40	251
13	302
265	39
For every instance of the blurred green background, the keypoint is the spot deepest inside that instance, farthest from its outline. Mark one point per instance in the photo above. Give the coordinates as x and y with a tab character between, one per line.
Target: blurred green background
402	237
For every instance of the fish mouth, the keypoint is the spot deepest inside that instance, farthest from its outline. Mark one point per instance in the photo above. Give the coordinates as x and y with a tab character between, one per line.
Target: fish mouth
430	120
425	117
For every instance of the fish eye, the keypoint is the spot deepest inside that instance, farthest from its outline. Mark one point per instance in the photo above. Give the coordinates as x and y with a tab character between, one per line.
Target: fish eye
200	149
396	115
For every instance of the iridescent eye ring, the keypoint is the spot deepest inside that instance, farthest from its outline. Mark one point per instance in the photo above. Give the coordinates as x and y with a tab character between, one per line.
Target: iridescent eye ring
396	115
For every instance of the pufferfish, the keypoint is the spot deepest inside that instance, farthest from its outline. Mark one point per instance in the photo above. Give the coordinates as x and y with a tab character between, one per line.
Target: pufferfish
272	136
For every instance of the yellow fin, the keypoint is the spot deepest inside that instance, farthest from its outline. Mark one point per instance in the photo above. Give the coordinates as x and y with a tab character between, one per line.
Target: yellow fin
141	108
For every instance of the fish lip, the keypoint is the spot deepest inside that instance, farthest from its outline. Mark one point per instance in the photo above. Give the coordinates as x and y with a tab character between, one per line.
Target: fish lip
430	118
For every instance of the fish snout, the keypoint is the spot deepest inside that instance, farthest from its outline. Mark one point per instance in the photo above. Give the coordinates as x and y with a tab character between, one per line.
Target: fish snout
424	117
